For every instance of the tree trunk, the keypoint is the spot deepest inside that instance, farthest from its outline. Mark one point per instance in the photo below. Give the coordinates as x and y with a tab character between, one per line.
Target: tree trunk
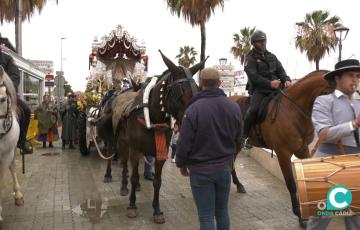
317	64
203	41
18	27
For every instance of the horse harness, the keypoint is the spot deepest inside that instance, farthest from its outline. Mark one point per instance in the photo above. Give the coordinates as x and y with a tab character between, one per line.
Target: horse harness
174	91
7	117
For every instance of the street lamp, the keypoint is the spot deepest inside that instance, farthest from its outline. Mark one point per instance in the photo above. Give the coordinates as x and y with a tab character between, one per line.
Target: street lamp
61	58
339	30
58	86
222	61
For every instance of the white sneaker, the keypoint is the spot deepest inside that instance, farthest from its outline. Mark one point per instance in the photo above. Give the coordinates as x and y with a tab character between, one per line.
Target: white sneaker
173	160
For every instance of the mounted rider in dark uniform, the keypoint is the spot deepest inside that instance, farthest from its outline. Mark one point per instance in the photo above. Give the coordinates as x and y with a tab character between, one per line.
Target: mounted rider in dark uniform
8	63
265	73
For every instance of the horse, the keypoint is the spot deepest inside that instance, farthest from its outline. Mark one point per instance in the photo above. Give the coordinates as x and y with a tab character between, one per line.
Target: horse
135	137
287	128
9	135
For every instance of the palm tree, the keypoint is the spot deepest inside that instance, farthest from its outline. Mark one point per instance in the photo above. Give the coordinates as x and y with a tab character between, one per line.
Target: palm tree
186	56
19	11
315	35
197	12
242	43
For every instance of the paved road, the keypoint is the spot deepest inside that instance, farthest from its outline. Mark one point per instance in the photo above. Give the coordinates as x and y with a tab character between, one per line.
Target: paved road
64	191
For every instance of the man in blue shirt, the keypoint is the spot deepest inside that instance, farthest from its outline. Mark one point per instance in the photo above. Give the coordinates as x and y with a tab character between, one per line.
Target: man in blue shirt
210	129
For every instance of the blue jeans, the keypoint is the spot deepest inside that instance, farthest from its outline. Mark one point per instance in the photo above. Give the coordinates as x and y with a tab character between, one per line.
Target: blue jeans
148	167
211	195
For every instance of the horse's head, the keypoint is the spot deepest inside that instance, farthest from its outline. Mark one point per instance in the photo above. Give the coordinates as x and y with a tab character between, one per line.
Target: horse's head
177	87
7	92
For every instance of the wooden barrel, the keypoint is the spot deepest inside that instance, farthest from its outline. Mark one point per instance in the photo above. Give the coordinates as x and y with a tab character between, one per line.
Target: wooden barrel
315	176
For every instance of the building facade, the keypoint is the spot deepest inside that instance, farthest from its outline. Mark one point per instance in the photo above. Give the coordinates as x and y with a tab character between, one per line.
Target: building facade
232	82
31	86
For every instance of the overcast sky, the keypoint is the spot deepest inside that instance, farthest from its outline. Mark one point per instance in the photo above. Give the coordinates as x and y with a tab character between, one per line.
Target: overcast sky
80	20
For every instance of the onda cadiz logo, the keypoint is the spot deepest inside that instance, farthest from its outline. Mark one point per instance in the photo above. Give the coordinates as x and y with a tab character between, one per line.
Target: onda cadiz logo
339	197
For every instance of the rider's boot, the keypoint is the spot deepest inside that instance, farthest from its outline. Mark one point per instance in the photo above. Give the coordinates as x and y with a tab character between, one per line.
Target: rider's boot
247	126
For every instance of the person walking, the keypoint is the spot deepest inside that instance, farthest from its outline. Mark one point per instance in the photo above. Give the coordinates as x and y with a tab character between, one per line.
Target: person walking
69	122
46	115
211	127
173	142
338	114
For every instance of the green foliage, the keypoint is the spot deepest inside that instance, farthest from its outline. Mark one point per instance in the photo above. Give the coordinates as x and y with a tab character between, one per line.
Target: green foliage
315	35
186	56
242	44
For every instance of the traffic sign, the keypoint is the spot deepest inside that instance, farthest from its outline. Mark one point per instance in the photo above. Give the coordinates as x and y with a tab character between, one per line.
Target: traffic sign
59	73
49	77
49	83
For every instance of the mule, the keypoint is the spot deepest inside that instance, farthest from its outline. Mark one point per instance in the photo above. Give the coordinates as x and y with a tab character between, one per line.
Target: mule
9	135
169	96
287	128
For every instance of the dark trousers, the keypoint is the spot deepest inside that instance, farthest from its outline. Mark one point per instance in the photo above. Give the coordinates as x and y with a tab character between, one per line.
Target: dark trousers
24	121
252	112
173	151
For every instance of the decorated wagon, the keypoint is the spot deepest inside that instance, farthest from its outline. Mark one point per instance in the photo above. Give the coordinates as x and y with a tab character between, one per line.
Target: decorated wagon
115	61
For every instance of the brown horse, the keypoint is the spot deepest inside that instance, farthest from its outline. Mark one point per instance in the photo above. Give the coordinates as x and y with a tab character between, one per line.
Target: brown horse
170	96
287	128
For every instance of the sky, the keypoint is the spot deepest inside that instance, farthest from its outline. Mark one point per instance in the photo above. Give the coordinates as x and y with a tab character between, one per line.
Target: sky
79	21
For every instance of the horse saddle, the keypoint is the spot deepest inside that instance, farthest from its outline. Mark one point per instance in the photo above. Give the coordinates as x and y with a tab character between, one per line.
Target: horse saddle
264	106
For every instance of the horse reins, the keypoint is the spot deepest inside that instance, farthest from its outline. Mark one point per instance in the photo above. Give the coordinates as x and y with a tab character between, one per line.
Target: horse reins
305	114
7	123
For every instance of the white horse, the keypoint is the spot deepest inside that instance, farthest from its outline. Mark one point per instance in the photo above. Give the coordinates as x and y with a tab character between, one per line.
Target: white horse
9	135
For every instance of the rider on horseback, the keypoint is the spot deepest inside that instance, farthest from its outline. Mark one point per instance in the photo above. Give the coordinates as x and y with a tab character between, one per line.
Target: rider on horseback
8	63
265	73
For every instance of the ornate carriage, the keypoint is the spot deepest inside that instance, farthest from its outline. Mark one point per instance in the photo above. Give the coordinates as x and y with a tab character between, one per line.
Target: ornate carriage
115	57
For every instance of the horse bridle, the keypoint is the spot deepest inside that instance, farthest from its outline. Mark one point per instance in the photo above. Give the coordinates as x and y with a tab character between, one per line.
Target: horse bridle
7	123
174	91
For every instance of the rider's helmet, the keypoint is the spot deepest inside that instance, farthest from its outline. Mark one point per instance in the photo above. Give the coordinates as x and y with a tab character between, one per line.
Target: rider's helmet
258	35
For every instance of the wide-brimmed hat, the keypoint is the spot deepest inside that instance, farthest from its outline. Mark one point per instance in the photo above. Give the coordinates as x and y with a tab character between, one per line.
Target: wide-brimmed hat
343	66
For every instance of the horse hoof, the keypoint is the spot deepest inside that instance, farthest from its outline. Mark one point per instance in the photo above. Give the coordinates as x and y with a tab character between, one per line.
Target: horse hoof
241	189
131	212
124	191
302	223
138	188
159	219
19	201
107	179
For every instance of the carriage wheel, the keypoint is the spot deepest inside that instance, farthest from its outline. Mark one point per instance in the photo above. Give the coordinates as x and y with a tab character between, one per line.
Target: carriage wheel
83	142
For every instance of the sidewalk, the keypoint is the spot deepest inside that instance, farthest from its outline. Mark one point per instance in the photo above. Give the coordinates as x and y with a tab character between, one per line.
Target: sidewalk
64	190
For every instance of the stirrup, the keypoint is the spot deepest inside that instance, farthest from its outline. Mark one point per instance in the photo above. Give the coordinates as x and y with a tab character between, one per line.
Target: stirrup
246	144
26	148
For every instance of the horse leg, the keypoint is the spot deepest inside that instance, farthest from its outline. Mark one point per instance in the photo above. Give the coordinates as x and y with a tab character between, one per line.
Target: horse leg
158	214
286	169
108	176
240	188
132	209
124	191
19	200
109	150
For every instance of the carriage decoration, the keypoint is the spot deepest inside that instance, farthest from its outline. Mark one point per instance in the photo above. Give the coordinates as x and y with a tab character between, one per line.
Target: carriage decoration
113	58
